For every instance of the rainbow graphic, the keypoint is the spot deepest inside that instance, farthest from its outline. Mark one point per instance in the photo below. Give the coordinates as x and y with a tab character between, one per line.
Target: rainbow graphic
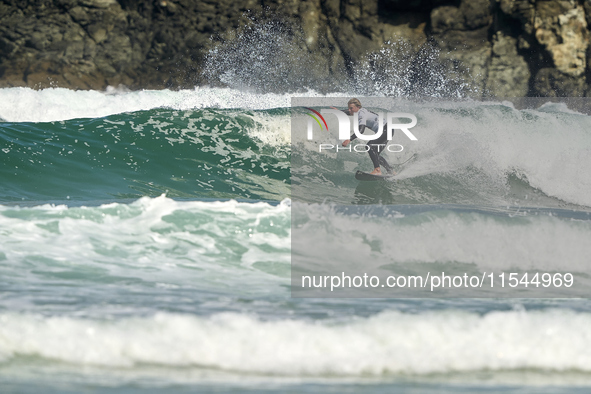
316	119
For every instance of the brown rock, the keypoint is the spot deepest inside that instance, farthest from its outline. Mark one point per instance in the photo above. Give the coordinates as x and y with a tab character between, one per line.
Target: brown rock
562	29
446	18
550	82
508	73
489	45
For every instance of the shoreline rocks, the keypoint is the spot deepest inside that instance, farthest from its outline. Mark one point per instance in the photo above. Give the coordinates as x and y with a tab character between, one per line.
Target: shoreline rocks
500	48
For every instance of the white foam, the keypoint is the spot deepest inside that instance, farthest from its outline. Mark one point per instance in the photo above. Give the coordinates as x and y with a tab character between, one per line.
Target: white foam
387	343
493	243
548	149
55	104
480	145
272	130
152	239
154	233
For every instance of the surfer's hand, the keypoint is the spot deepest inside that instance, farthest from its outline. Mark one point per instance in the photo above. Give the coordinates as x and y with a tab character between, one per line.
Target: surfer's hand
346	142
334	108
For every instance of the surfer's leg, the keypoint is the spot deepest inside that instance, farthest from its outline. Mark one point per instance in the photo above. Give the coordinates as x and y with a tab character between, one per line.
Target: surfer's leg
381	145
375	158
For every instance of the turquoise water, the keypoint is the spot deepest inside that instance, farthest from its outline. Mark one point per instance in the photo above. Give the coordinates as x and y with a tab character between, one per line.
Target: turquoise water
148	248
186	154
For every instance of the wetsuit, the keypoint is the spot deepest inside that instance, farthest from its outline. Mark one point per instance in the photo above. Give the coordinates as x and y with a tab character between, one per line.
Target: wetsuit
376	147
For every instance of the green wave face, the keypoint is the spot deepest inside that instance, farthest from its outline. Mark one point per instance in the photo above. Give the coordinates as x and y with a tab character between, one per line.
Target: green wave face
186	154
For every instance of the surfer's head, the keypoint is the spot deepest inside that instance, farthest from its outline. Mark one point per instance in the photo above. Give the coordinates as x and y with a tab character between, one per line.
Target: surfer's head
354	105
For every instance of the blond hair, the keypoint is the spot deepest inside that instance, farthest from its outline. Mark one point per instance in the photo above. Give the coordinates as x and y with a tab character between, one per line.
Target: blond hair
354	101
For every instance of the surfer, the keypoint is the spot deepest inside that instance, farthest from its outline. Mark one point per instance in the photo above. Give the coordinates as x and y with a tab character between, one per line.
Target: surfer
370	120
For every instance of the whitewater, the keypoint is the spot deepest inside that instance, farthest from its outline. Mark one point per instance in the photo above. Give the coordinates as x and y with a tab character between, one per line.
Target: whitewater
147	241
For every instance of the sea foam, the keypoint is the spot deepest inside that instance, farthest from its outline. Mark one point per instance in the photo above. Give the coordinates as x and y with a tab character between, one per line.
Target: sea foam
55	104
387	343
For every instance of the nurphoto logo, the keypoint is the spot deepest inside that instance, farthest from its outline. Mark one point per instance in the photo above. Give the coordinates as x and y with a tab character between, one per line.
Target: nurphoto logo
345	124
317	121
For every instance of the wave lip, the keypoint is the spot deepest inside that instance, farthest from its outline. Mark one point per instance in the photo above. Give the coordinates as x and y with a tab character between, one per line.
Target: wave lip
202	153
56	104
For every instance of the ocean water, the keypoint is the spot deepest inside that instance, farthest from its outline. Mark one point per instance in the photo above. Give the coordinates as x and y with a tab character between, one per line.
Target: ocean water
146	240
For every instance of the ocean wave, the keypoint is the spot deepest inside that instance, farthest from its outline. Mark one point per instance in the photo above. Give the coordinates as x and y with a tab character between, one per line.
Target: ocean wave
466	152
150	243
384	344
55	104
411	240
195	153
165	242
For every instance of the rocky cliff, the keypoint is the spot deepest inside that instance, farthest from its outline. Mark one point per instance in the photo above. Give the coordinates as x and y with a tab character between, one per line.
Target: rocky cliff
470	47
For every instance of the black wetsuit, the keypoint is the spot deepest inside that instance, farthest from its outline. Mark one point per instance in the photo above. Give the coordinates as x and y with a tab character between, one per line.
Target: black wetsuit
376	147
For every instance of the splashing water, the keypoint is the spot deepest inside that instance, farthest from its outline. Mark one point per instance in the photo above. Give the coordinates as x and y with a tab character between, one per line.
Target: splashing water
272	56
267	56
400	69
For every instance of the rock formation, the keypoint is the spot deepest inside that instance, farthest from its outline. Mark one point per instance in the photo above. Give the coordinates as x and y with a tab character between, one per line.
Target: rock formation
503	48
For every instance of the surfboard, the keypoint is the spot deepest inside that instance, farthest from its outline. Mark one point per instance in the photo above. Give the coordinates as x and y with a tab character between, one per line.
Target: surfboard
365	176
